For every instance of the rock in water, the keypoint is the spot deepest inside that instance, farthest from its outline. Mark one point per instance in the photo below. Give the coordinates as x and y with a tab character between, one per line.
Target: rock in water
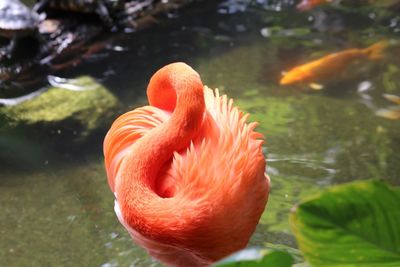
76	113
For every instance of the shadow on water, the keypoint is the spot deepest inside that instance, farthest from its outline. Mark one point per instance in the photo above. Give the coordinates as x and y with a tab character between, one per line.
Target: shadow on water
56	205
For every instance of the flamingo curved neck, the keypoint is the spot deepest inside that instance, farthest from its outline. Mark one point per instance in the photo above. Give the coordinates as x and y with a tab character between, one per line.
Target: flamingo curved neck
135	186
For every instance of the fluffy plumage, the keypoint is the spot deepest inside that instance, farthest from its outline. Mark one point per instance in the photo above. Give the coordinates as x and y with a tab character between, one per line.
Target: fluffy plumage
187	172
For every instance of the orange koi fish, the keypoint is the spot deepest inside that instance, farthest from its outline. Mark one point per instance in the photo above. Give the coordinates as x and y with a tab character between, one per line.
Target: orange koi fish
392	98
332	64
306	5
392	112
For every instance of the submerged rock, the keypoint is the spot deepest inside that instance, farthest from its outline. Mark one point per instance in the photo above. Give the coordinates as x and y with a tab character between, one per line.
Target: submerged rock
74	109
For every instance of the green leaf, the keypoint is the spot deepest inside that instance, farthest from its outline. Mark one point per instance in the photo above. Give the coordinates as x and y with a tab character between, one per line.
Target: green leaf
356	224
257	258
295	253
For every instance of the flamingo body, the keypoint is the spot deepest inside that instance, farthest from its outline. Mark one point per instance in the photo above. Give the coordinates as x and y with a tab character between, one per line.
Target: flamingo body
188	172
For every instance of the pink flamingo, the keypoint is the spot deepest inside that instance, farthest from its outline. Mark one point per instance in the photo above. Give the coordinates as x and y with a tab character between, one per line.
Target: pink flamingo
188	172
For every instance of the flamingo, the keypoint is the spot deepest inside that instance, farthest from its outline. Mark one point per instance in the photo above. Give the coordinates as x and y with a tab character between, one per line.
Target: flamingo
187	171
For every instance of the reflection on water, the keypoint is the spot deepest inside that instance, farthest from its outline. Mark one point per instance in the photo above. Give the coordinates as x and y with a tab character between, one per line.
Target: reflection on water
56	206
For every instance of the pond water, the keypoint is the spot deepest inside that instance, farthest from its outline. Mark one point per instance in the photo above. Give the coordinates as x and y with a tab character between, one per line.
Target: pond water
56	207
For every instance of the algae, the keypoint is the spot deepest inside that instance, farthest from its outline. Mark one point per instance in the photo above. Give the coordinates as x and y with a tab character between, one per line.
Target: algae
79	111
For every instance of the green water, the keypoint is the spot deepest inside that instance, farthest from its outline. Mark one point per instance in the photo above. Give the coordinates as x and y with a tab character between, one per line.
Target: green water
56	208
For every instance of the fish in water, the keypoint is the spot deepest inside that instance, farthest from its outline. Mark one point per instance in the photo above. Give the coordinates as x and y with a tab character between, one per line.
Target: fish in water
392	98
187	171
331	65
393	112
306	5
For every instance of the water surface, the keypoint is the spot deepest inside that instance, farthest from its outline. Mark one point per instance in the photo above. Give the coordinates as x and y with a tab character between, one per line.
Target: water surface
56	207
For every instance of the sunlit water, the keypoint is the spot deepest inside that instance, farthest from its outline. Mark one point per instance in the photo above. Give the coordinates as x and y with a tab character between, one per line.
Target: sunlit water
56	207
